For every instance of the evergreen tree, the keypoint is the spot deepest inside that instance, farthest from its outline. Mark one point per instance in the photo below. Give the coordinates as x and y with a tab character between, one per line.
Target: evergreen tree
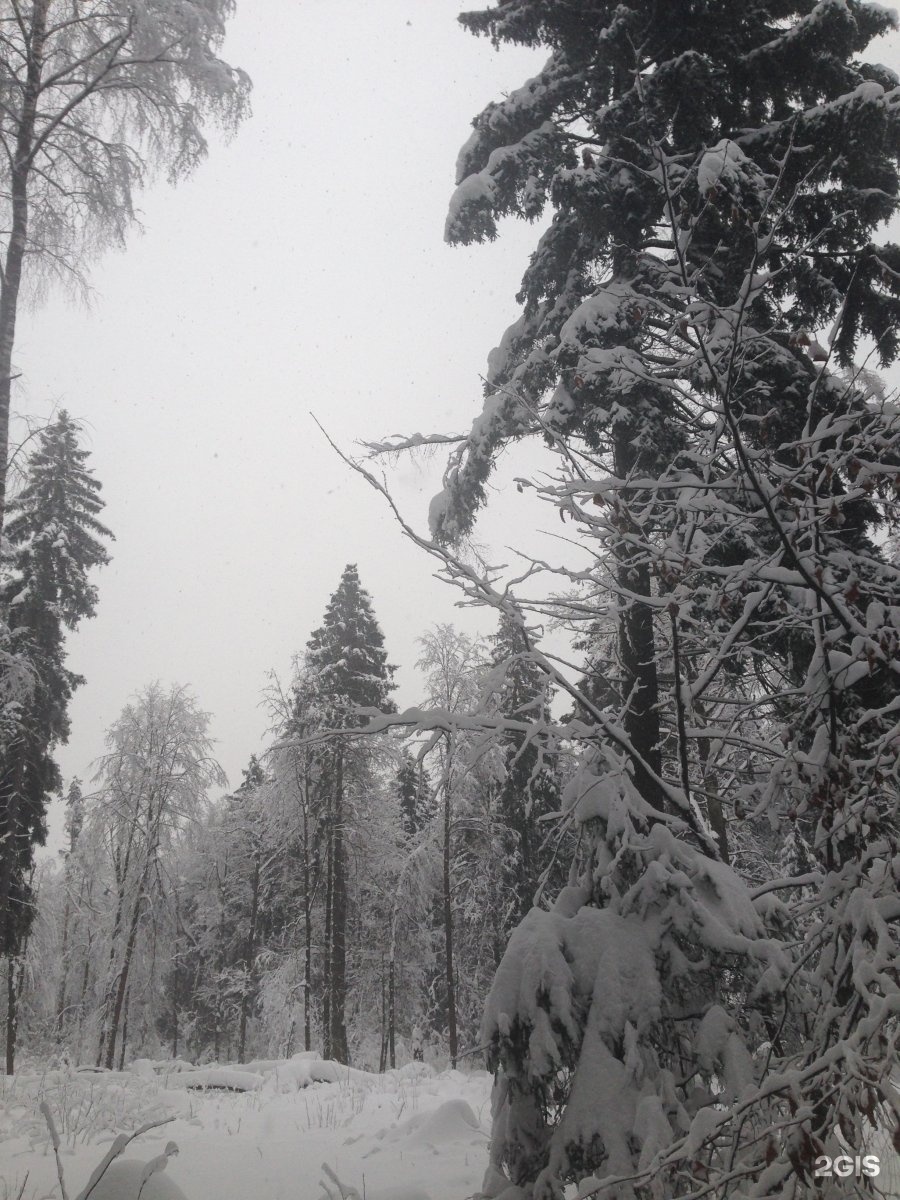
530	788
74	814
414	794
251	873
53	541
716	178
347	670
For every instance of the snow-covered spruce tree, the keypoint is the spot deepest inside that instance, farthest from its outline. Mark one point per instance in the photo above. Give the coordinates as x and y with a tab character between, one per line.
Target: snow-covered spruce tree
717	174
54	539
345	670
253	861
530	786
413	795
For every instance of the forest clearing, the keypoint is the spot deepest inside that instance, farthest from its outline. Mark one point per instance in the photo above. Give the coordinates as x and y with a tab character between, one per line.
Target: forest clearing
404	1135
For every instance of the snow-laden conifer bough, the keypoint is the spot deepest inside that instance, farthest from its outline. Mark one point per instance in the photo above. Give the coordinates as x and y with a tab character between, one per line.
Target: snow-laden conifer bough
710	1007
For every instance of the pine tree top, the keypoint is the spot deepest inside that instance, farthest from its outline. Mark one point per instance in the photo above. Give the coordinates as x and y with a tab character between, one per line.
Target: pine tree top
53	534
345	657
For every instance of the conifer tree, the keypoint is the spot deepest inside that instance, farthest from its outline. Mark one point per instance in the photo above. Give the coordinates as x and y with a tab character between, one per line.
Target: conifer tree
414	795
53	541
717	175
530	788
347	670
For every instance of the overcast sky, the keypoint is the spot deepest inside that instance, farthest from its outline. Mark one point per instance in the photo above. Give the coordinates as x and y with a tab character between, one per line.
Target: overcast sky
302	269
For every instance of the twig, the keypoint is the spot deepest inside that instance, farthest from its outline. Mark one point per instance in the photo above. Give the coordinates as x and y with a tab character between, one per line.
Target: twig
115	1150
54	1138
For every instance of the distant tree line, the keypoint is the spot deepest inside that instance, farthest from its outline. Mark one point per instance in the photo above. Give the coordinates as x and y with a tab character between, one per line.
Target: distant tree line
356	886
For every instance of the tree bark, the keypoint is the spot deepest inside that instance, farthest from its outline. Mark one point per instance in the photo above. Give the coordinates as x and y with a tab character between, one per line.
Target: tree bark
392	1051
307	955
64	977
327	1050
11	281
111	976
124	1030
339	922
12	1014
637	654
85	979
249	956
448	931
122	983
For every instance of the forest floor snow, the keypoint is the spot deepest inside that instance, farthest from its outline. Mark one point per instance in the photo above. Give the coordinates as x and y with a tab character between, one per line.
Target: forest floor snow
300	1126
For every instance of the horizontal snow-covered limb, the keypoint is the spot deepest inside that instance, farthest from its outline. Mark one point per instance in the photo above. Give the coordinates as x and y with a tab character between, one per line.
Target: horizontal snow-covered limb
868	93
398	442
807	32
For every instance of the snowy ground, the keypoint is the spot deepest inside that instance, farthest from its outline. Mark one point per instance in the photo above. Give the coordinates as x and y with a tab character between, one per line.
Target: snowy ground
303	1130
406	1135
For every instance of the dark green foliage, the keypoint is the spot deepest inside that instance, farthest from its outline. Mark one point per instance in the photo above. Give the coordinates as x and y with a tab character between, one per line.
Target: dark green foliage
530	787
53	541
345	658
345	671
414	794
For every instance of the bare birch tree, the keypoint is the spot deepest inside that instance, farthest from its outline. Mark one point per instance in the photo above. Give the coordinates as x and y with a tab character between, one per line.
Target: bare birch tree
96	98
153	780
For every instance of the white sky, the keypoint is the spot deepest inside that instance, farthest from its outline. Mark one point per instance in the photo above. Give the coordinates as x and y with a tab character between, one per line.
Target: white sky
301	269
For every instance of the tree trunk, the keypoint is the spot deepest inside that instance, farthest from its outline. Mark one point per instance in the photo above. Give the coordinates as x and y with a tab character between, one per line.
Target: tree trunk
124	1030
339	923
382	1054
307	922
637	654
85	979
448	932
249	956
12	1014
64	977
111	977
327	1049
392	1051
307	965
122	984
15	257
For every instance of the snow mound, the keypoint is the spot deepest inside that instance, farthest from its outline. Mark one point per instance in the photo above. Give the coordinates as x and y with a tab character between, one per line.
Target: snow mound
227	1078
399	1193
293	1074
122	1181
452	1121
